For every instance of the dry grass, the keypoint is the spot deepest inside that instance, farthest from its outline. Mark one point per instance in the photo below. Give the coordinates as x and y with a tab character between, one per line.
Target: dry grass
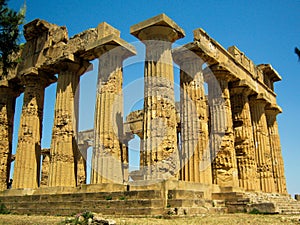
227	219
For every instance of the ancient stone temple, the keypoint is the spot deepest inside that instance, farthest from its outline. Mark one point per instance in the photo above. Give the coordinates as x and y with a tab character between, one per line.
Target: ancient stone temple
215	150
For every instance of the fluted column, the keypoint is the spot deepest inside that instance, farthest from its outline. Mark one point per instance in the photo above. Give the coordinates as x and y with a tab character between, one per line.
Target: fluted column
196	162
64	149
45	167
262	144
224	167
27	164
243	138
160	152
8	96
81	164
277	160
107	153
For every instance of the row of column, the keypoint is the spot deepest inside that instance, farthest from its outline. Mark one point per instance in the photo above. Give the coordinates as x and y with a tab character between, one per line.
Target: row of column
233	142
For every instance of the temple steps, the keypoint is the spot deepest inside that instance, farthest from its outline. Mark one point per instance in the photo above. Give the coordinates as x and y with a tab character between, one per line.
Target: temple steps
126	203
254	202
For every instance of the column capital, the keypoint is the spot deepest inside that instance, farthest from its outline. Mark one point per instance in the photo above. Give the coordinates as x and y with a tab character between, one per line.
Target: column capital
185	54
159	27
273	109
241	87
32	75
111	43
218	71
77	66
258	99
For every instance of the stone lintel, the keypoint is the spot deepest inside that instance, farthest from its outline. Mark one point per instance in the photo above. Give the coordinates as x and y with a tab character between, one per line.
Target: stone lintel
104	30
268	70
108	43
35	28
158	21
213	53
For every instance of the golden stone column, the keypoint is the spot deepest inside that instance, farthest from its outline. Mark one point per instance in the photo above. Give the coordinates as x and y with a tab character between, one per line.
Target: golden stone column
45	167
244	141
27	164
262	144
81	164
64	149
8	95
107	165
224	166
196	161
160	156
277	160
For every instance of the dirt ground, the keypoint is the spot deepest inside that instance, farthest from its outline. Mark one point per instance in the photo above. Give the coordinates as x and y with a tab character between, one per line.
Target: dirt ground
227	219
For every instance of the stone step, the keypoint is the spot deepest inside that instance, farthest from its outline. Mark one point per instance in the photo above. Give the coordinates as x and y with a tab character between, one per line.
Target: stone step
185	194
95	204
185	203
228	196
151	194
108	211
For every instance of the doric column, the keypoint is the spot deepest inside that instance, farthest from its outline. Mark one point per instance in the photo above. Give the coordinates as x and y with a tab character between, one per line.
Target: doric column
45	167
243	134
277	160
8	95
196	162
262	144
224	167
64	149
81	164
27	164
107	164
160	156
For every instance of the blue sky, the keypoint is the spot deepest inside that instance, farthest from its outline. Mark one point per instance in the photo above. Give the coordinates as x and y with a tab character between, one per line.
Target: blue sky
266	31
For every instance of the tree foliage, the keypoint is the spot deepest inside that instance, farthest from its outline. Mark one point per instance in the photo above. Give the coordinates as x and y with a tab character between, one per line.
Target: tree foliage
10	22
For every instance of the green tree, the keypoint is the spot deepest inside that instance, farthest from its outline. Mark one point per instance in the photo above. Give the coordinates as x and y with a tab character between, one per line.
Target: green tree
10	22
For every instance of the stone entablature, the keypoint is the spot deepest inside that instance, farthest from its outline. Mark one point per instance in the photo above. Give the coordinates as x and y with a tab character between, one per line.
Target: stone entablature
227	137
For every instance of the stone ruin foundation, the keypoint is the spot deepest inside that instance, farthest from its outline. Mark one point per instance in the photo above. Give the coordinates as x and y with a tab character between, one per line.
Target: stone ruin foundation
215	152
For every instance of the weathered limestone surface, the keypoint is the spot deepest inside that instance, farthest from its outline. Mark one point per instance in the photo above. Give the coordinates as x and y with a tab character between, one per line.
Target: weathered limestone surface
108	150
277	160
262	144
85	140
213	53
243	138
160	152
45	167
64	148
244	144
27	164
224	166
8	94
195	154
40	36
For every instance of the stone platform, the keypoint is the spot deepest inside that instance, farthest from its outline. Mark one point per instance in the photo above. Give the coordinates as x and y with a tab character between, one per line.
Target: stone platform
134	199
144	199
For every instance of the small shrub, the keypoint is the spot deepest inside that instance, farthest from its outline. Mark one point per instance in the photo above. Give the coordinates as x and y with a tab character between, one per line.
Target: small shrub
108	198
3	209
122	198
255	211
